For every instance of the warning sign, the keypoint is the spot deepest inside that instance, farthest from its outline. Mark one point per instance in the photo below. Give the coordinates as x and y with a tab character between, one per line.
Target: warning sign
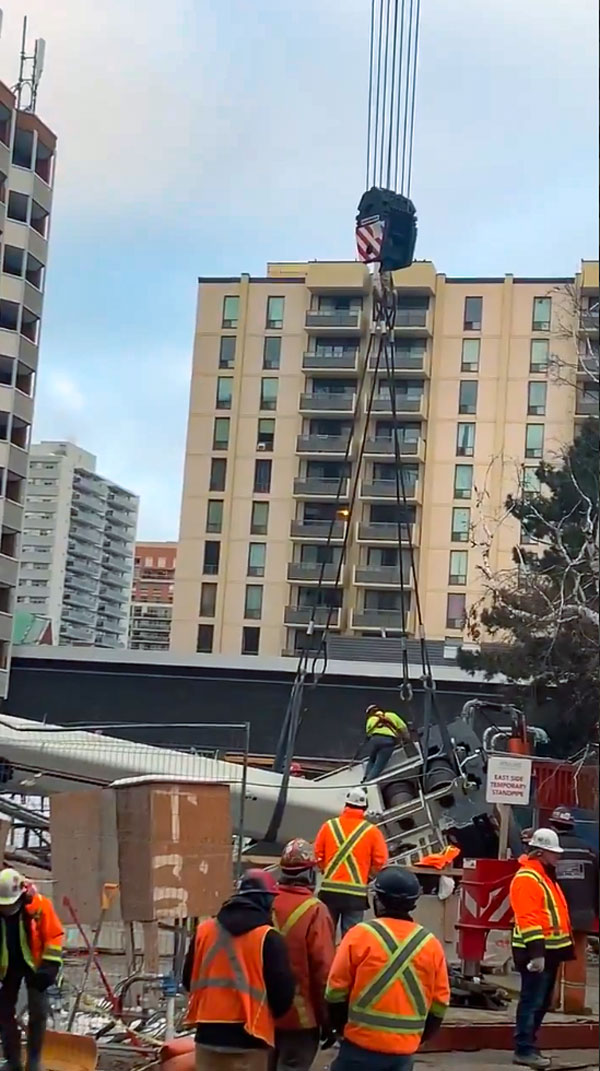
508	780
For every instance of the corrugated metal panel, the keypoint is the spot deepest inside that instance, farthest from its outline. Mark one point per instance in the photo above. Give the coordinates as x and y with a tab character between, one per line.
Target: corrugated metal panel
566	783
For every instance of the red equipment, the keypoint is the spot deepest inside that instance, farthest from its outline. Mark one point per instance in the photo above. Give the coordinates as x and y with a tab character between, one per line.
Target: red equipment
484	905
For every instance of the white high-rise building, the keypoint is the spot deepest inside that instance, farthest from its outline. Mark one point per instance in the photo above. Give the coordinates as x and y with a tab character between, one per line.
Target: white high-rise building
78	547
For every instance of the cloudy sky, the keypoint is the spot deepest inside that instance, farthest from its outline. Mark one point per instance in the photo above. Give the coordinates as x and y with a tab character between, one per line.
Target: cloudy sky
206	137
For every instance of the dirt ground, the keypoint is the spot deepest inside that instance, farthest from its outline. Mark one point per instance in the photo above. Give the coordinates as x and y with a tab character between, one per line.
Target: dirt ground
485	1061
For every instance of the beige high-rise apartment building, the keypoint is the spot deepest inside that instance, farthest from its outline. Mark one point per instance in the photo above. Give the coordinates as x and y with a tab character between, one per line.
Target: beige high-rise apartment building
488	383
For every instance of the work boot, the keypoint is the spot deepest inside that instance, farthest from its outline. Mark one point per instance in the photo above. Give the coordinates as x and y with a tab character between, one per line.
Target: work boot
533	1059
11	1043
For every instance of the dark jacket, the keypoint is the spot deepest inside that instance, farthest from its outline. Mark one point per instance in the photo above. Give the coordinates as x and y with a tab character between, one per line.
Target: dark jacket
240	915
577	875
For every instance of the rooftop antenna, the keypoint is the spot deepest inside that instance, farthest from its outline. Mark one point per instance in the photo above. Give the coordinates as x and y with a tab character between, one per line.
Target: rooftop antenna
31	68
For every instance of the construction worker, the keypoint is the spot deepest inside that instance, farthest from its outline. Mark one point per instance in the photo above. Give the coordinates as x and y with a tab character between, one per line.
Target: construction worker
388	989
541	940
349	851
385	730
306	925
577	875
31	939
238	975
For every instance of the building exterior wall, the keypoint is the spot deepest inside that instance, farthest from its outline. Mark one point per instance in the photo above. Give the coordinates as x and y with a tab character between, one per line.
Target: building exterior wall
27	155
152	596
77	550
324	338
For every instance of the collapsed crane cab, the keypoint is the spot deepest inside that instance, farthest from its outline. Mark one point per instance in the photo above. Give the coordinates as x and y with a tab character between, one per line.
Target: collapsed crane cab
386	229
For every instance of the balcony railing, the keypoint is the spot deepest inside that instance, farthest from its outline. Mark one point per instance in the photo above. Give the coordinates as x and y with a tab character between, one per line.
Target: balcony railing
303	615
379	619
589	320
387	488
378	532
588	365
313	486
384	447
411	317
302	572
317	530
322	444
328	402
336	361
383	404
587	404
340	319
383	575
403	362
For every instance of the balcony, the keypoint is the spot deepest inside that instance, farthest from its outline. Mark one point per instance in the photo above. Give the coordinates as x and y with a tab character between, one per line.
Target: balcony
345	320
384	448
589	320
588	366
377	489
303	615
312	572
77	634
405	364
383	404
328	402
381	576
76	598
75	615
84	583
380	619
344	361
322	444
315	531
415	322
587	403
9	568
375	532
314	487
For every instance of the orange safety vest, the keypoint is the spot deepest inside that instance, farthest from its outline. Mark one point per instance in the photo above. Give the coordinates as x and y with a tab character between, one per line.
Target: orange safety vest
41	935
440	860
540	910
349	850
228	984
295	923
393	974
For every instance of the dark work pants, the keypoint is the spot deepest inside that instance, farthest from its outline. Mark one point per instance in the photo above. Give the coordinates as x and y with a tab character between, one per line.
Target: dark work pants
534	1002
295	1050
353	1058
346	916
381	749
9	1030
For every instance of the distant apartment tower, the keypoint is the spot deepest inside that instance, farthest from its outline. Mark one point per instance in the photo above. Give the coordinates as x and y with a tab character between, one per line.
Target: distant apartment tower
152	596
27	153
277	366
77	551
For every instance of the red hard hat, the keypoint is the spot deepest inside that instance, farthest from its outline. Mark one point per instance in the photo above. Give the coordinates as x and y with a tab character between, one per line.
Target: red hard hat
297	855
295	768
257	881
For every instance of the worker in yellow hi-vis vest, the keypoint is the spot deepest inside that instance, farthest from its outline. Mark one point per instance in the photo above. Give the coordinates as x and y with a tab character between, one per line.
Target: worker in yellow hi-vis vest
349	851
386	730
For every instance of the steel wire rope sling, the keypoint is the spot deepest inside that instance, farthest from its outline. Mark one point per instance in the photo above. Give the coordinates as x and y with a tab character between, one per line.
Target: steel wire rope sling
386	232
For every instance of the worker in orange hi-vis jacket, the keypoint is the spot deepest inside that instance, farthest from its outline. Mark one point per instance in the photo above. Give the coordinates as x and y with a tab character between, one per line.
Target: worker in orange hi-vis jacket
541	940
388	988
349	851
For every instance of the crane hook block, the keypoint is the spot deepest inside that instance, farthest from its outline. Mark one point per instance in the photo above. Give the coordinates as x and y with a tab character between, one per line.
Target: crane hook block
386	229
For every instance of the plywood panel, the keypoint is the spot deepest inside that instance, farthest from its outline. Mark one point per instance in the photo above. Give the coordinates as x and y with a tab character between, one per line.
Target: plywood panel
83	828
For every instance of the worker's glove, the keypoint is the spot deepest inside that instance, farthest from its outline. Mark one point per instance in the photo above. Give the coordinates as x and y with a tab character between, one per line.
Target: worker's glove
44	978
536	965
328	1038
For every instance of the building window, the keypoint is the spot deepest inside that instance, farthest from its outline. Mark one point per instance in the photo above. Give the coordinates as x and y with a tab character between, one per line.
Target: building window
456	610
539	355
534	440
212	554
473	313
530	482
262	477
208	600
227	351
463	481
257	554
253	602
459	562
467	396
204	641
250	640
218	474
266	434
542	314
275	307
13	260
224	392
18	207
259	522
461	524
469	360
536	399
272	354
221	433
214	516
268	393
9	315
465	440
231	311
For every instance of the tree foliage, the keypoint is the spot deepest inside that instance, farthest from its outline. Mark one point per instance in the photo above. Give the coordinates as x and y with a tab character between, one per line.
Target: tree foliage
538	622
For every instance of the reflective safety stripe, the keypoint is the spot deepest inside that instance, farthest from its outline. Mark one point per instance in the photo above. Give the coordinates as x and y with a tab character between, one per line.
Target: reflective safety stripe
239	983
398	968
25	949
439	1010
343	887
296	915
392	1024
53	953
344	853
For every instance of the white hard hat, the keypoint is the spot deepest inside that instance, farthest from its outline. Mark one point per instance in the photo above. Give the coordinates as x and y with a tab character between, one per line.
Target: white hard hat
356	797
547	840
12	886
